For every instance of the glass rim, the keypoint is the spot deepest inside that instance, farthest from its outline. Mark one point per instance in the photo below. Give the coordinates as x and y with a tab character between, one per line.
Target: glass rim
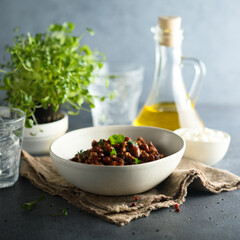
132	69
20	118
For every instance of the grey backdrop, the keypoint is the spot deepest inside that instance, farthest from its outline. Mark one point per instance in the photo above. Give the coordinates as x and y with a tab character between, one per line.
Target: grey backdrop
122	27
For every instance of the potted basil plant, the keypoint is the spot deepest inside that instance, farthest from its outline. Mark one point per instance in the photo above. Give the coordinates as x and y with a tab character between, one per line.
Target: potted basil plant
45	72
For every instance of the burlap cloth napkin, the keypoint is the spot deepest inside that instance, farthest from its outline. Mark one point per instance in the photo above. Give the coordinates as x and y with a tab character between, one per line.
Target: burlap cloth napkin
119	210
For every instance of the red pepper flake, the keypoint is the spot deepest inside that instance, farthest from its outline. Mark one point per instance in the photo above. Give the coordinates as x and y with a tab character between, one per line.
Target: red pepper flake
136	198
176	206
177	210
133	204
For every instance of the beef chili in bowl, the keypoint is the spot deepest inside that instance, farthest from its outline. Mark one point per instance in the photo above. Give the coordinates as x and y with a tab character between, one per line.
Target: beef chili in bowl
118	150
80	161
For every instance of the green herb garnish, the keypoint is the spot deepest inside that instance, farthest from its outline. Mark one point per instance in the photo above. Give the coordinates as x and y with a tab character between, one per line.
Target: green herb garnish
30	205
113	152
101	143
116	139
50	68
81	152
63	212
133	143
137	161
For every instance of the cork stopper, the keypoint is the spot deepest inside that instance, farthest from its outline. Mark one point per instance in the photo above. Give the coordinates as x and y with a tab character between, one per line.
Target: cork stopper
170	30
170	23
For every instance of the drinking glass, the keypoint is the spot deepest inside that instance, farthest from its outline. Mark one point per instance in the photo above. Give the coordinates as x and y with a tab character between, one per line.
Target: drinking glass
121	86
11	135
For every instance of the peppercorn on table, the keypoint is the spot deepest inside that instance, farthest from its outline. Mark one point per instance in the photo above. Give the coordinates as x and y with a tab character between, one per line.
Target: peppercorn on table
202	216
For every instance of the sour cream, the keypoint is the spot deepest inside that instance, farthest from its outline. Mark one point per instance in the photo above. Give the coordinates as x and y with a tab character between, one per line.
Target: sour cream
204	145
201	134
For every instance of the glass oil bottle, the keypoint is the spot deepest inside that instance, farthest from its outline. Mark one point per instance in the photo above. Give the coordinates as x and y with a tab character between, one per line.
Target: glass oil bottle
169	105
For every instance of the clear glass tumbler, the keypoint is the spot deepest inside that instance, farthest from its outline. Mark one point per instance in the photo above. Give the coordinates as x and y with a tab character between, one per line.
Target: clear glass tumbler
121	85
12	122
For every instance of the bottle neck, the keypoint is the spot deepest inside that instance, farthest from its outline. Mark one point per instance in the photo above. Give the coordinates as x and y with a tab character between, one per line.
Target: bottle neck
168	44
167	75
167	59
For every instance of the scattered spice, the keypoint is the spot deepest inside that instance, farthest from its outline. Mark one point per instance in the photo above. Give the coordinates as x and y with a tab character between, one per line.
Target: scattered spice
133	204
136	198
177	209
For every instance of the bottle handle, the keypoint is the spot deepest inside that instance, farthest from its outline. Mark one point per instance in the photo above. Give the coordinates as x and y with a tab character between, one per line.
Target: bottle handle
200	71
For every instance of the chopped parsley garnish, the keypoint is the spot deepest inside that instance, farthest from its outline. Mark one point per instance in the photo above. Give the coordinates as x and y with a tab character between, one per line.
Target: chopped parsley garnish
133	143
101	143
30	205
81	152
137	161
116	139
113	152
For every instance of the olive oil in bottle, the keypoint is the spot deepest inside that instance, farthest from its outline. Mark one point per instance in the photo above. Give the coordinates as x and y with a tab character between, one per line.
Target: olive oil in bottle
169	105
165	115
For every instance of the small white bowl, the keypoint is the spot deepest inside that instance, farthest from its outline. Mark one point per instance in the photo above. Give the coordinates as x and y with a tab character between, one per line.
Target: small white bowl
116	180
207	152
37	140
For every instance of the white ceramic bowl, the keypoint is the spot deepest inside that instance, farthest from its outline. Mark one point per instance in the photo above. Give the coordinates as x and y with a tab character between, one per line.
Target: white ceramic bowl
38	142
208	153
116	180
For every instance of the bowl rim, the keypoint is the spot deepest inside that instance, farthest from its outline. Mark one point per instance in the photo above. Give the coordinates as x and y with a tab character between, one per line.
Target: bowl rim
84	165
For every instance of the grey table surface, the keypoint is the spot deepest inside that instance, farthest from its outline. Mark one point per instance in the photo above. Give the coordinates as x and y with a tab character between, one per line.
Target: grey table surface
203	215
